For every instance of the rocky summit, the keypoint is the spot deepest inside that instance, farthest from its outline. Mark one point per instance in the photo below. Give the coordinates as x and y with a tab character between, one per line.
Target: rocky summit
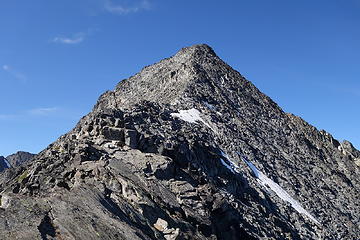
15	160
186	149
19	158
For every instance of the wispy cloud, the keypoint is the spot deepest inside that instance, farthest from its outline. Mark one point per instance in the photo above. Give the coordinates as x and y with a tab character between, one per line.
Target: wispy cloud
347	89
123	7
34	112
14	73
6	116
74	39
42	111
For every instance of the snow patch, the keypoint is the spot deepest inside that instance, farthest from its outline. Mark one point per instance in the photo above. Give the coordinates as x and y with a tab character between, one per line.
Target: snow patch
280	192
7	163
233	167
192	116
210	106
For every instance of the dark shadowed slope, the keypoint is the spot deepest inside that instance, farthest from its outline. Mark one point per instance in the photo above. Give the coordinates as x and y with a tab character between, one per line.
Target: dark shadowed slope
4	164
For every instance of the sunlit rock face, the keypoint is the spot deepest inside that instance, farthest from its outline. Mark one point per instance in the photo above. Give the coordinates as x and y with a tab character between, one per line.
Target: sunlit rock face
186	149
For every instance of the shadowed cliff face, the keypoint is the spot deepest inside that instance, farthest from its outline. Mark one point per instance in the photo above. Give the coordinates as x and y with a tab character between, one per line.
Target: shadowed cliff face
4	164
186	149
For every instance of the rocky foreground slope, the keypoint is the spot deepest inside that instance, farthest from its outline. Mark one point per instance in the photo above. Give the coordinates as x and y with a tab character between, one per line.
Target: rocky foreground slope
186	149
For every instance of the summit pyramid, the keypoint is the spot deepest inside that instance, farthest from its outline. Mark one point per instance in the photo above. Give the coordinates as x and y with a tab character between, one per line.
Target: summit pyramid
186	149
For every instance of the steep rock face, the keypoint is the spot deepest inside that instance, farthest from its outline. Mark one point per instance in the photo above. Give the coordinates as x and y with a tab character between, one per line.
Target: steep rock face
19	158
4	164
186	149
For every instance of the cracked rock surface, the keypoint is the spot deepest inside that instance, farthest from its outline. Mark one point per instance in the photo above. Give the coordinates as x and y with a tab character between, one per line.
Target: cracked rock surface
177	151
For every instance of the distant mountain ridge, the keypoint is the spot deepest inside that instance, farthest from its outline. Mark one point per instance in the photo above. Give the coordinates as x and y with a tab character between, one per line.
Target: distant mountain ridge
19	158
15	160
186	149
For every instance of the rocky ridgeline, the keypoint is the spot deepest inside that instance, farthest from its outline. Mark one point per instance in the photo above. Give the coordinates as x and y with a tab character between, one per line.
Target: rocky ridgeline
186	149
19	158
15	160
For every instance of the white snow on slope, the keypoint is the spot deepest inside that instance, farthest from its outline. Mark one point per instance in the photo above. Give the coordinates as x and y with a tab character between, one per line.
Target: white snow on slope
233	167
7	163
280	192
192	116
210	106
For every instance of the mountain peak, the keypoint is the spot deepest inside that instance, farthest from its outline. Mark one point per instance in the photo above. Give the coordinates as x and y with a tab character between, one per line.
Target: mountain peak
197	51
19	158
197	47
182	150
192	73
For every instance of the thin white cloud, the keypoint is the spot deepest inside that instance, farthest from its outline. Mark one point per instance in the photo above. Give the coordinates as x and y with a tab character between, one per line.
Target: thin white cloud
75	39
14	73
42	111
6	116
345	89
123	8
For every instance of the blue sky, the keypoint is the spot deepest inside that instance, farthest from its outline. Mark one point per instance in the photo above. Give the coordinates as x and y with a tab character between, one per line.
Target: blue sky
57	57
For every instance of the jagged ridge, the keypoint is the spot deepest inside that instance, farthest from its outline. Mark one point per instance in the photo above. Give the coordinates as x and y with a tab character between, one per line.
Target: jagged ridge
134	163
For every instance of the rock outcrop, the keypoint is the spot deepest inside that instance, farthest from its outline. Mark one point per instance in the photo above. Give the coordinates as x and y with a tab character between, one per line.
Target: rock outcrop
186	149
4	164
19	158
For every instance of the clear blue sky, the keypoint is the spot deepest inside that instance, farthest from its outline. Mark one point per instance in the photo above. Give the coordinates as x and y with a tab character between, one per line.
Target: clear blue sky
57	57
